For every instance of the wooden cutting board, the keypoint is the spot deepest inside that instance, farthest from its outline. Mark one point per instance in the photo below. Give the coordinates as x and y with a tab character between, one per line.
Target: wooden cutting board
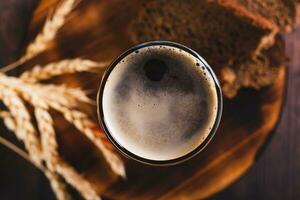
97	29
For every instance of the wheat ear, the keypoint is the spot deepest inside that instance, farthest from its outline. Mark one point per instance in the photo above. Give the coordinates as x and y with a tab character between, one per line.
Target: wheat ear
57	164
57	185
44	121
49	145
51	26
61	94
71	95
24	129
48	140
50	153
63	67
53	161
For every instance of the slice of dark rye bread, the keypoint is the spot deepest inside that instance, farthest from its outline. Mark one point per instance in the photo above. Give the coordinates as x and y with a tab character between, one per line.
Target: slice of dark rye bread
221	31
281	12
257	72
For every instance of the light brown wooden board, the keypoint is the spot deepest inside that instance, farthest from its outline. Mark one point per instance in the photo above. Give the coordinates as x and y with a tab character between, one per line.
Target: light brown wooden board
97	29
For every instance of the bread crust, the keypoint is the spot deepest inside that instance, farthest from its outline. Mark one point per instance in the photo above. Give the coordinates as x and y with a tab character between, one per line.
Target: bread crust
224	32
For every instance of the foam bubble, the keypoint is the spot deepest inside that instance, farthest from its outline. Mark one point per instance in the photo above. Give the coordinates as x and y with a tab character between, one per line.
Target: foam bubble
158	104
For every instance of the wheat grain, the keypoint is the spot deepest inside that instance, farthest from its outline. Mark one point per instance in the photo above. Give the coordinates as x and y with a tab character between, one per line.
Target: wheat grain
71	96
46	129
8	120
52	25
67	66
79	183
24	129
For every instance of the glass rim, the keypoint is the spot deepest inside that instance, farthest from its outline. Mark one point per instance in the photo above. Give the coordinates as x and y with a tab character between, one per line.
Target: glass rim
134	156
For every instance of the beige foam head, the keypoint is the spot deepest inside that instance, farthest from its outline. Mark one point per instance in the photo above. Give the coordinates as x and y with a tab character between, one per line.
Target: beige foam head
159	102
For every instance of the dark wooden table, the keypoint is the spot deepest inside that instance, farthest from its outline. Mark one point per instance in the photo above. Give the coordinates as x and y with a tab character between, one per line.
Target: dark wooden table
276	175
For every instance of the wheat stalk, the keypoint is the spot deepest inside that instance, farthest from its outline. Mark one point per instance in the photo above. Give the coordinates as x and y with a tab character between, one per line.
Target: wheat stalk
67	66
24	129
20	152
51	27
58	186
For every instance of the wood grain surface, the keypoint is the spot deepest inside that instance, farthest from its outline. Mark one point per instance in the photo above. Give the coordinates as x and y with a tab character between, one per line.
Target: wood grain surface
245	125
276	175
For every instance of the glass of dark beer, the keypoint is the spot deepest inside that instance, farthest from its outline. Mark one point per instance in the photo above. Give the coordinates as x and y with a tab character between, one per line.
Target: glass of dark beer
159	103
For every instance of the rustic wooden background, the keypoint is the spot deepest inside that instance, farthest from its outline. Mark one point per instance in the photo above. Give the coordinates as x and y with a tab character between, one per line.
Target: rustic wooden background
275	176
